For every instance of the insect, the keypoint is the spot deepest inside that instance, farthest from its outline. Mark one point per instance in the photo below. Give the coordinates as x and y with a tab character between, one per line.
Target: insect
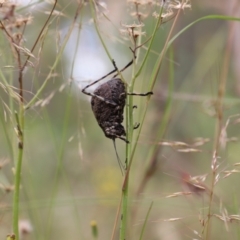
108	102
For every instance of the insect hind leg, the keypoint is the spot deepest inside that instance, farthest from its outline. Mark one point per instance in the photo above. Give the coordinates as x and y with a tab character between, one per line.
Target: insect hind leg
100	79
124	68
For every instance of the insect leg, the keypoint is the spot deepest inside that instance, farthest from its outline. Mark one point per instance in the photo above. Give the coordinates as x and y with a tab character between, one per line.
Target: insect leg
103	99
122	138
128	65
98	80
136	126
140	94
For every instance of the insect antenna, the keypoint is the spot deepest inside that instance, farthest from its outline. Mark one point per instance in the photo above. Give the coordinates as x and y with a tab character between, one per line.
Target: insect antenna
118	159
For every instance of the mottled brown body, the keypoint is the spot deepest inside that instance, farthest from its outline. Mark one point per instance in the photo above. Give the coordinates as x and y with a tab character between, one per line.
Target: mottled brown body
108	104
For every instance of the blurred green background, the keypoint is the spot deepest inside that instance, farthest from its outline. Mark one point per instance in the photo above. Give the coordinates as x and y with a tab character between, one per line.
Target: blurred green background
70	174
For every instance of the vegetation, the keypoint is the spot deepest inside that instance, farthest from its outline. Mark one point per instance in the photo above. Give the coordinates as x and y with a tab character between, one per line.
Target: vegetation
59	176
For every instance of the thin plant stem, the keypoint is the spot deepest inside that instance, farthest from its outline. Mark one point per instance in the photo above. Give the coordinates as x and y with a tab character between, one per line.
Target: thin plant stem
219	125
20	132
129	121
60	155
17	181
152	83
40	34
116	219
154	76
130	148
20	129
101	39
58	57
145	221
158	23
97	29
129	124
155	149
159	62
